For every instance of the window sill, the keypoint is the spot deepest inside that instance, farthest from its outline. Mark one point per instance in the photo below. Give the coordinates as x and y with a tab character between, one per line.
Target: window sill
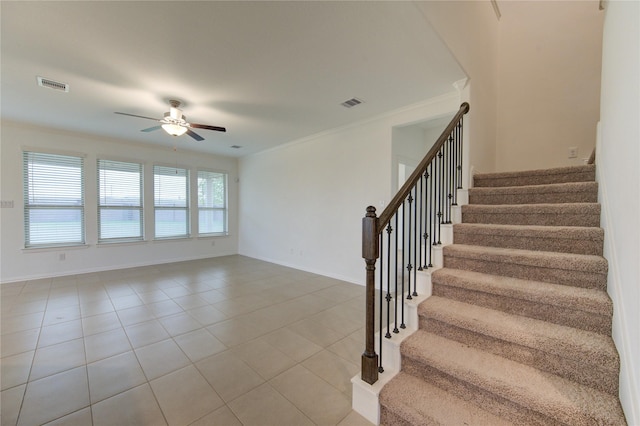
170	239
215	235
105	244
55	248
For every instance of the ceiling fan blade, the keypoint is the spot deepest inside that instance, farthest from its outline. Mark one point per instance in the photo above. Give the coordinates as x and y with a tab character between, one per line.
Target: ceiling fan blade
139	116
205	126
151	129
195	135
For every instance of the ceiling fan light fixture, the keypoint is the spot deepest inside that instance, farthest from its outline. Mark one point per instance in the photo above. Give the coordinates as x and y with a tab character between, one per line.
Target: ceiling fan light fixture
175	123
174	129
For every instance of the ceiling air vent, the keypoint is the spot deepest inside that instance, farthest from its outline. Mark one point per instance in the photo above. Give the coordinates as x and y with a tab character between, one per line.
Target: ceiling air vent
351	103
51	84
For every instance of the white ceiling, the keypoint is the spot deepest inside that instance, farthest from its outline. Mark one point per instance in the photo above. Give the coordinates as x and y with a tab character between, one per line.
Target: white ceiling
270	72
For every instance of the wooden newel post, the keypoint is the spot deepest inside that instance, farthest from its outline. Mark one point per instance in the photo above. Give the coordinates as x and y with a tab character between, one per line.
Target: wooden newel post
370	253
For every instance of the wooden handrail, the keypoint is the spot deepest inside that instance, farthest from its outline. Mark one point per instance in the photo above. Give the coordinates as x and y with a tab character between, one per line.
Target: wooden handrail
372	226
402	194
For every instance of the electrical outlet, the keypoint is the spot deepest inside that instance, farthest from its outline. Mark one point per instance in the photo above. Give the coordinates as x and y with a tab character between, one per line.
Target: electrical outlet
6	204
62	256
573	152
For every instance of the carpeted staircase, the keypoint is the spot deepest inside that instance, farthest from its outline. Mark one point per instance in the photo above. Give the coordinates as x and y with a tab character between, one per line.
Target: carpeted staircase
518	329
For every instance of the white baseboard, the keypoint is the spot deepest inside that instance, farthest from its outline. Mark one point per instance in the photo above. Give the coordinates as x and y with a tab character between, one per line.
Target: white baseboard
115	268
326	273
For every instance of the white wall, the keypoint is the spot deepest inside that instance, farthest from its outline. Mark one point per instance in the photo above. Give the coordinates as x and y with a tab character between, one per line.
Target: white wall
408	146
548	82
410	143
20	264
618	168
302	204
325	182
470	31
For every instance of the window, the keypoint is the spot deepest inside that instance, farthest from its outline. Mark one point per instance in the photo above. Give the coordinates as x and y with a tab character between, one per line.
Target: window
171	201
212	203
53	199
120	215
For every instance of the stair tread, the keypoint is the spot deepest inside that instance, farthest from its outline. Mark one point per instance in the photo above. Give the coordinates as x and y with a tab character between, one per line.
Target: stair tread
550	214
544	208
559	239
419	402
565	174
557	398
539	172
570	232
588	300
537	189
568	342
565	261
551	193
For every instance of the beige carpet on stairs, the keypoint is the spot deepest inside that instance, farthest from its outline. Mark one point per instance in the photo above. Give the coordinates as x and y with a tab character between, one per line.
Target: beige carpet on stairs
518	330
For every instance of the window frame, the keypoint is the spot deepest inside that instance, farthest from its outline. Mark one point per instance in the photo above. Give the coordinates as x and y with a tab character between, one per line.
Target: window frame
139	208
160	208
224	209
30	156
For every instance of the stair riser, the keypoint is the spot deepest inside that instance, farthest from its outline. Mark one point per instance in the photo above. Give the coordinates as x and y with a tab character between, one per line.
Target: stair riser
527	272
487	198
543	219
487	400
572	369
558	315
524	180
422	257
389	418
557	245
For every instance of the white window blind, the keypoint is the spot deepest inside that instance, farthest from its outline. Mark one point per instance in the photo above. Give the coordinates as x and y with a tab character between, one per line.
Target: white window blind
212	203
53	199
120	215
171	201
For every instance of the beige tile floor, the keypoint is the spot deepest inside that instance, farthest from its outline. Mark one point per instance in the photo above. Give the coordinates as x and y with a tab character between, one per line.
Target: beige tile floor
225	341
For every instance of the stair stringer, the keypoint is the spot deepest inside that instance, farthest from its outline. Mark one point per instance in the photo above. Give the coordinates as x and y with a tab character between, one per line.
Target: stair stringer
365	397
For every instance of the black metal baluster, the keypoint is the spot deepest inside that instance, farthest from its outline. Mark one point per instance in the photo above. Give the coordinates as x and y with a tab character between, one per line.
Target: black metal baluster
445	181
409	266
380	368
404	221
429	233
436	188
419	220
423	217
395	273
441	194
459	130
416	240
449	177
434	201
388	297
455	167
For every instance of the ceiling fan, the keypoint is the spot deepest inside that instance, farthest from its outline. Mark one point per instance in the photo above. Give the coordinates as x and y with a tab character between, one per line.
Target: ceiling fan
175	123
